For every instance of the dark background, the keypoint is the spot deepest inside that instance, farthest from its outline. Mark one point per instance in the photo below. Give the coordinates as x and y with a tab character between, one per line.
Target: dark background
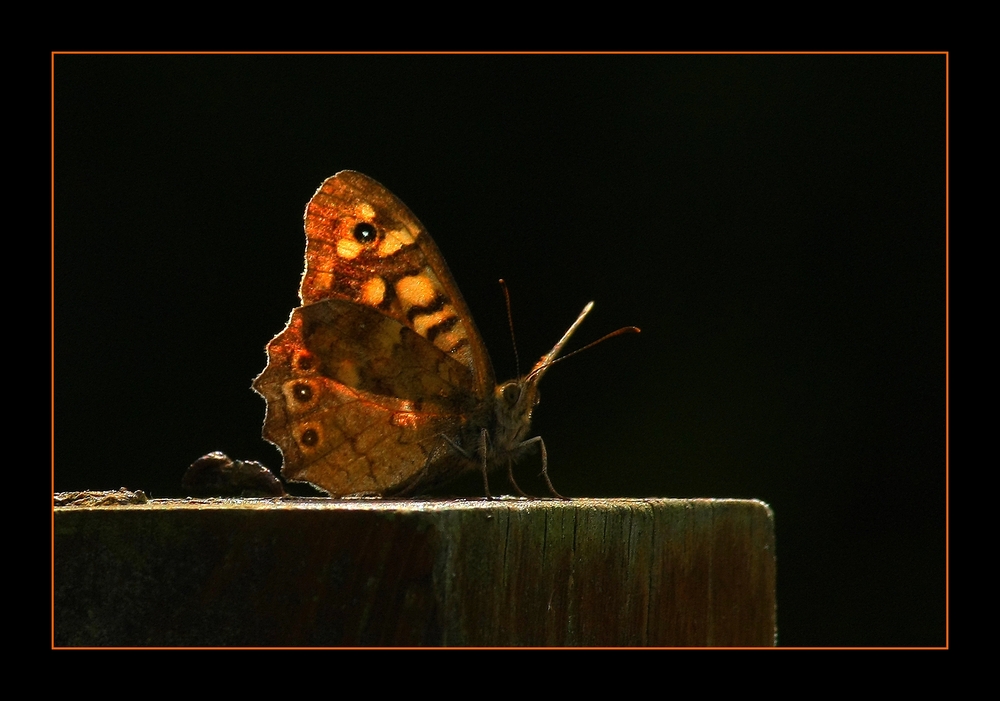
774	224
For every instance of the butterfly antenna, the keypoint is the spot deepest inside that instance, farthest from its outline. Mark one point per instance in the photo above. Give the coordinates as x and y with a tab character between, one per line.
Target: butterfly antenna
619	332
551	359
510	324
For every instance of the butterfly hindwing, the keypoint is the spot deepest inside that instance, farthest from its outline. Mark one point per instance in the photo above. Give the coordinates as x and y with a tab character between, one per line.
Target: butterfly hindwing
332	431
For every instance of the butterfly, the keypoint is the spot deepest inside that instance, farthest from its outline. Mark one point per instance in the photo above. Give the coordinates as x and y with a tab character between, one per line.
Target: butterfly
380	383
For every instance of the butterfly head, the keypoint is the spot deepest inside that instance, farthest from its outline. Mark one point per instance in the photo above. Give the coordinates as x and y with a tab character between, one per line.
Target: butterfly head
514	402
516	399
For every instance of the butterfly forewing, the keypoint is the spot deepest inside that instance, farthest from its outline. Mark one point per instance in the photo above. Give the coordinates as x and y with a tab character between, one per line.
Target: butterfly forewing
365	246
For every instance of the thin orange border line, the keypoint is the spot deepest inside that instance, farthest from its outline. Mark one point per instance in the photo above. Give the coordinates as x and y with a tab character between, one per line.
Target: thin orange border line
52	338
947	284
500	53
947	353
505	53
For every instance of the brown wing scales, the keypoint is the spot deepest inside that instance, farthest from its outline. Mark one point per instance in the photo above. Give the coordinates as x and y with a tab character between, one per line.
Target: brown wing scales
340	435
380	382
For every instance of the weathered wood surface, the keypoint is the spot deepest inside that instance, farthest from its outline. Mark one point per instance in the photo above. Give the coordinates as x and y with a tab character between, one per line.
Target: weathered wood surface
509	572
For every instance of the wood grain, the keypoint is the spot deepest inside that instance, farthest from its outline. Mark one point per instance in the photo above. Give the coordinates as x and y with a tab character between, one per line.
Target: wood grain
507	572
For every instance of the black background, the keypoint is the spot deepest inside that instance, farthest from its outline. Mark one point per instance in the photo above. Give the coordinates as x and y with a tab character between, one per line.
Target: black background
774	224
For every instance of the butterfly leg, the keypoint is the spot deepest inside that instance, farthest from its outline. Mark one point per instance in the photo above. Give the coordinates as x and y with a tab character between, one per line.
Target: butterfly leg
483	438
545	465
510	476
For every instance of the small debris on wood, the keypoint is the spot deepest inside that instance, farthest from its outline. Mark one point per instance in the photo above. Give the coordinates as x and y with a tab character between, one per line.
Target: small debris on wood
98	498
216	475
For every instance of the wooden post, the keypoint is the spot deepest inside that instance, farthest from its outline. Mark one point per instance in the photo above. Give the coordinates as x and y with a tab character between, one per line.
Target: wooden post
507	572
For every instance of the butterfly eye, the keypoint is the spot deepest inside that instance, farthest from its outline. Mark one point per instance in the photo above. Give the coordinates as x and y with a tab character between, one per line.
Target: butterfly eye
365	232
511	393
